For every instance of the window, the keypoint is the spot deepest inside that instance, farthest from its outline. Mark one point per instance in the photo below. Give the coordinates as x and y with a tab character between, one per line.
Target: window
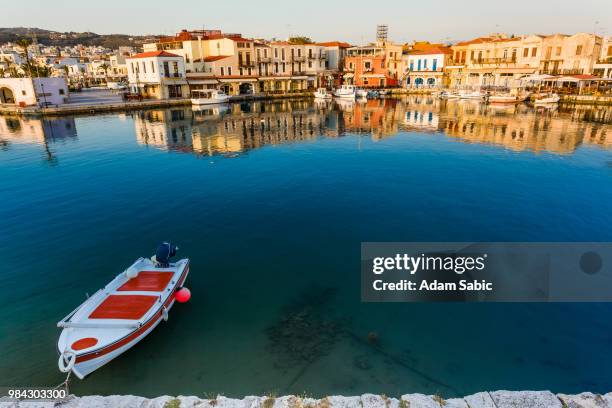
525	52
579	50
222	71
558	52
472	55
425	63
412	65
175	68
505	53
276	67
514	51
534	52
610	51
61	91
309	64
368	65
276	53
283	54
152	67
229	70
144	67
299	52
310	53
284	67
479	55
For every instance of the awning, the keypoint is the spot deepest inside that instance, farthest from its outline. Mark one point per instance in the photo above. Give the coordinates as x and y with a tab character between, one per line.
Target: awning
349	75
203	81
373	76
537	78
227	80
299	77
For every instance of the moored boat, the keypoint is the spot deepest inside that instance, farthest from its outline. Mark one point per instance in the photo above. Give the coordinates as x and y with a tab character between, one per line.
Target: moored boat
208	97
447	95
505	98
361	93
547	99
321	93
122	313
345	91
474	95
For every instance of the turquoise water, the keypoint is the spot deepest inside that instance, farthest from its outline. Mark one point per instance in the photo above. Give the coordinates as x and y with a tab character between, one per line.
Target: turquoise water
271	201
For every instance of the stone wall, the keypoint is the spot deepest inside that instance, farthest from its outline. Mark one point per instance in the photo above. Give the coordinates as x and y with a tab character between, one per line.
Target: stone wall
495	399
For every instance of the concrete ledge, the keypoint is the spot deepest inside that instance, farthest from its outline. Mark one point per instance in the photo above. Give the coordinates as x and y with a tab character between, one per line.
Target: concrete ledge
494	399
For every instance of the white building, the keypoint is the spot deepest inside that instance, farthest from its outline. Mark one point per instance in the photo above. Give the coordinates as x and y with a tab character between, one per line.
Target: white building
157	74
33	91
425	68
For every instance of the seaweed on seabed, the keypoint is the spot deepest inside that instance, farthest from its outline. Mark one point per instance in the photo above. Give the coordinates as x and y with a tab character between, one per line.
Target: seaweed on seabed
304	332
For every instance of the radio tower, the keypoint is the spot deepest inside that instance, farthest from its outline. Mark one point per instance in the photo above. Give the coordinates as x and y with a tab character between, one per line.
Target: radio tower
381	33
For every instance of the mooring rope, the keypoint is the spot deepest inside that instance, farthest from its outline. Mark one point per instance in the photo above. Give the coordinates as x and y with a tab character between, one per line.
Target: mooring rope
65	383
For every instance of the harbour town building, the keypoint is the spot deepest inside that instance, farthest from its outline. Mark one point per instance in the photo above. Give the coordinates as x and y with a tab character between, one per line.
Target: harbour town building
373	66
158	75
501	61
424	66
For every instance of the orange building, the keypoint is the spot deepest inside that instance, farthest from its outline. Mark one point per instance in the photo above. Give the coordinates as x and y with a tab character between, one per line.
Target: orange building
373	66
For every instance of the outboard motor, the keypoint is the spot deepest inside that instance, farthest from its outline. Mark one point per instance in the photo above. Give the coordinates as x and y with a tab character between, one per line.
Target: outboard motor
164	252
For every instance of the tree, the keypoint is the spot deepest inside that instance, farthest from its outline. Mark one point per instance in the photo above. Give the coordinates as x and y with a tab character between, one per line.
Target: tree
24	43
300	40
32	69
105	67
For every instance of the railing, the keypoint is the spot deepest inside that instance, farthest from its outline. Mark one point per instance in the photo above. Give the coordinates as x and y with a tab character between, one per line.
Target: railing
264	60
172	75
299	59
607	60
246	64
563	71
483	61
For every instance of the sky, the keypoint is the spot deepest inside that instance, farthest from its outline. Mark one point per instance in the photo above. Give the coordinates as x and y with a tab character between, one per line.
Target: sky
322	20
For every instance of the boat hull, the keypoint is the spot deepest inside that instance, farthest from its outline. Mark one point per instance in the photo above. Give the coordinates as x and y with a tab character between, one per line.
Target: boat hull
90	359
199	102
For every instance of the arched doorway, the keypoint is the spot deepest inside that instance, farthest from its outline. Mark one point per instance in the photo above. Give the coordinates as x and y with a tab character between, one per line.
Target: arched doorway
246	88
431	82
418	82
7	96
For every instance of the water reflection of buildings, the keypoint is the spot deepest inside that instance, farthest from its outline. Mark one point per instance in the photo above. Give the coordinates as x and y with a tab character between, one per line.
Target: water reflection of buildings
238	128
16	129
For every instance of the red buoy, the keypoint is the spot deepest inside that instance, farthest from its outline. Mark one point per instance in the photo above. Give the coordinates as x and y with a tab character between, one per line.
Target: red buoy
182	295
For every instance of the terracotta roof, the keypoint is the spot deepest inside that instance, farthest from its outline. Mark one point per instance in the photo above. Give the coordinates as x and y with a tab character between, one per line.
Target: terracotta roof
215	58
153	54
335	44
431	50
481	40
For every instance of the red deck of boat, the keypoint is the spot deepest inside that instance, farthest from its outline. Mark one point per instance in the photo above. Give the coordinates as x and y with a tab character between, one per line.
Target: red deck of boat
148	282
131	307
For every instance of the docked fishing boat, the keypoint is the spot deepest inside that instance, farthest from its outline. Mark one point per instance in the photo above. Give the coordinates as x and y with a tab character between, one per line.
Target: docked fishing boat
473	95
547	99
373	94
345	91
321	93
505	98
122	313
361	93
208	97
447	95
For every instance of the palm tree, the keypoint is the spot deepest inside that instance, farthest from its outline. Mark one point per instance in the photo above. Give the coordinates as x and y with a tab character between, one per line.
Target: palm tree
105	67
24	43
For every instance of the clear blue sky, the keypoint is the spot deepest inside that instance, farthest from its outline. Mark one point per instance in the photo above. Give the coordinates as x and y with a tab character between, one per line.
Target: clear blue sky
354	21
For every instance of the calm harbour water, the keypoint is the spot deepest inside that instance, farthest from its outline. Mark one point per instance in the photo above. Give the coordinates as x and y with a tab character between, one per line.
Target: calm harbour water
271	201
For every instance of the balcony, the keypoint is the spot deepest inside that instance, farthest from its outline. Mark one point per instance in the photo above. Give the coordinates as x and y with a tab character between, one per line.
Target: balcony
494	61
299	59
264	60
562	71
604	61
246	64
172	75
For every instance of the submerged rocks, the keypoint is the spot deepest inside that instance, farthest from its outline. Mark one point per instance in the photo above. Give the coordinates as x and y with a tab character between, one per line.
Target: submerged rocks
496	399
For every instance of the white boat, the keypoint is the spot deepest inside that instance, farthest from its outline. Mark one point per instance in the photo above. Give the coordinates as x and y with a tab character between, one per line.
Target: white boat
361	93
547	99
505	98
475	95
122	313
448	95
208	96
345	91
321	93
